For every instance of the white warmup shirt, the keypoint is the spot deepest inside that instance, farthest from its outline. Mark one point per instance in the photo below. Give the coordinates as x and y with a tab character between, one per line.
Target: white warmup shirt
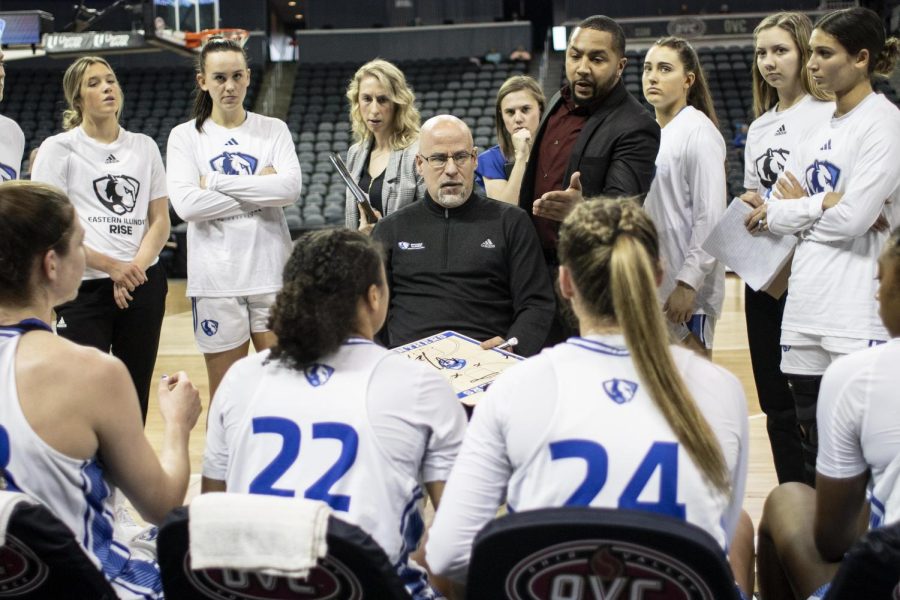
685	201
774	135
536	435
12	148
110	185
361	430
859	423
74	490
238	239
833	271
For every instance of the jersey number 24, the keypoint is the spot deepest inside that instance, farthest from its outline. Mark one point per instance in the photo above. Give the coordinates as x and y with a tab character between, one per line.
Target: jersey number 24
662	455
264	483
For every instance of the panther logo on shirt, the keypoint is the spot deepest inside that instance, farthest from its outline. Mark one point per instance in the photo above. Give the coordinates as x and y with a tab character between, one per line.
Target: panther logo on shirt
7	173
770	165
620	391
118	193
822	176
234	163
317	374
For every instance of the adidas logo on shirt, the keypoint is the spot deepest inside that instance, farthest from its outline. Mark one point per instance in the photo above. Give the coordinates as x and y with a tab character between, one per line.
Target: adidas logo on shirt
111	159
61	324
232	142
488	244
827	146
781	130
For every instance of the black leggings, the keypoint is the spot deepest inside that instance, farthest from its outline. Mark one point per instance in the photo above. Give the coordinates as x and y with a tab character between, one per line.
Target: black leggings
132	335
764	313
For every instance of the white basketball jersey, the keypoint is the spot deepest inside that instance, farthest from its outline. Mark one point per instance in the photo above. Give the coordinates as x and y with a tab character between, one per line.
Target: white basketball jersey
111	186
607	445
773	136
685	201
75	490
12	147
309	435
241	251
833	283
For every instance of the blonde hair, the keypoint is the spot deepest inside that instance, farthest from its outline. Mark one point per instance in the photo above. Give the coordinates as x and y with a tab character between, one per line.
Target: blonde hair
72	80
405	127
516	83
799	27
611	248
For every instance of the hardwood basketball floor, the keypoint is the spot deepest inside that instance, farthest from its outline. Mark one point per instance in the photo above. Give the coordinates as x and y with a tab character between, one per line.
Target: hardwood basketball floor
177	351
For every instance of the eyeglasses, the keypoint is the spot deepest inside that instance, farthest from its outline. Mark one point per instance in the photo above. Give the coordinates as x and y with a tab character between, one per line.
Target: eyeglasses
439	161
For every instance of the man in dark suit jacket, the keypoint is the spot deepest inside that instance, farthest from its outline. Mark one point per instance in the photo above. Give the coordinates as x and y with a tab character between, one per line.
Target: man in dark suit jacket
594	139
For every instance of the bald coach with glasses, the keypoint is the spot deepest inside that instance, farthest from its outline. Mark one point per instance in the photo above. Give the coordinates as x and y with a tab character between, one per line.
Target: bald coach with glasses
460	261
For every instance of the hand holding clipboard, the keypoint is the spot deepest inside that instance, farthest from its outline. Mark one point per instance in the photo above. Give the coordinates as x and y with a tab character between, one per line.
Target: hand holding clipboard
362	199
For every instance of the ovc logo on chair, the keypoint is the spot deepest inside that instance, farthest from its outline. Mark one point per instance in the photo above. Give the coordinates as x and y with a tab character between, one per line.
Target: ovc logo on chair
21	571
598	569
330	579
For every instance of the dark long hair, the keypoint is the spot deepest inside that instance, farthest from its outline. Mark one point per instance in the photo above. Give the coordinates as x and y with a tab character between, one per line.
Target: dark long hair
34	218
327	274
862	29
203	103
698	95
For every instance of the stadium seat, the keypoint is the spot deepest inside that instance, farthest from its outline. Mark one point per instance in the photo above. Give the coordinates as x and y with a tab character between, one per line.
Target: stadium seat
41	559
355	568
568	552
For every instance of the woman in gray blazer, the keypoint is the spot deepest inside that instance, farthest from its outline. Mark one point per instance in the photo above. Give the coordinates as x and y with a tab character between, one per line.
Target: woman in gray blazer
386	132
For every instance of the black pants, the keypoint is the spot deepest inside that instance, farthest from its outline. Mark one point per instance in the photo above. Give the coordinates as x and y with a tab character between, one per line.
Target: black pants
764	314
132	335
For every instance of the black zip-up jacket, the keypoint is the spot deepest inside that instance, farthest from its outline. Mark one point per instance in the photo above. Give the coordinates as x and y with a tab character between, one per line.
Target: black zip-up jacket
476	269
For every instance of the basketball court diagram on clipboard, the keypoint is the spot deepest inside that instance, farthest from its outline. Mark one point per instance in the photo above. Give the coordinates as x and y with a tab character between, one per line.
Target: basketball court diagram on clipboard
461	360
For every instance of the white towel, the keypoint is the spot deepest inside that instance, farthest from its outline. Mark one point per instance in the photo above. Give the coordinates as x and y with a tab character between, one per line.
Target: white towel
278	536
8	503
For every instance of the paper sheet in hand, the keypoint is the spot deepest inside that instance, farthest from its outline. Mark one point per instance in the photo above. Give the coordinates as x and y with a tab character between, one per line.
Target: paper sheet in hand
460	359
757	258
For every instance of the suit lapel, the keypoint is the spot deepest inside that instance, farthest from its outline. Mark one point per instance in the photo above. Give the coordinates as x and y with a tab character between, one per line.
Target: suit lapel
612	100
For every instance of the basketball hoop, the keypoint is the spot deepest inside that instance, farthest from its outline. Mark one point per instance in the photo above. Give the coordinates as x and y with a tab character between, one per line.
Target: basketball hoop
198	39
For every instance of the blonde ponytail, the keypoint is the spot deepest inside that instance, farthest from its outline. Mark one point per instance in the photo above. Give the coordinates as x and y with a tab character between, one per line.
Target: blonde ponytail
612	249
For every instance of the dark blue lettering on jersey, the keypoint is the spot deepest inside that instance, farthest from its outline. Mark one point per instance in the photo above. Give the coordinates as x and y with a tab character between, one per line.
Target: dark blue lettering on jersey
770	166
822	176
7	483
234	163
451	363
317	374
7	173
209	327
620	391
117	193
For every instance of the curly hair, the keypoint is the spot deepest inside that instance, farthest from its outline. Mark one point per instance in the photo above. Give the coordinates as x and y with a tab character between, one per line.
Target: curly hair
799	27
34	218
72	80
611	248
405	128
516	83
327	274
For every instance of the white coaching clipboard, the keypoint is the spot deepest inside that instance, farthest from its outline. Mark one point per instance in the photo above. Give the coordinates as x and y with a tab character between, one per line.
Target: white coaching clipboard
460	359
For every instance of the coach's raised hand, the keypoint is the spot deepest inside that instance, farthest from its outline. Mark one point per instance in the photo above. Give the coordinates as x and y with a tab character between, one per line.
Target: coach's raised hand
557	205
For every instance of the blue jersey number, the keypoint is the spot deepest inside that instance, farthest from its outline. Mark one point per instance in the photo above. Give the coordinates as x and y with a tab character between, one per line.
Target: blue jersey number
9	483
264	483
662	455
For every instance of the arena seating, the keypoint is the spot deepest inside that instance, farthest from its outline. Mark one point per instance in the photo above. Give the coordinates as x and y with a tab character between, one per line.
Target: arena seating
319	118
155	101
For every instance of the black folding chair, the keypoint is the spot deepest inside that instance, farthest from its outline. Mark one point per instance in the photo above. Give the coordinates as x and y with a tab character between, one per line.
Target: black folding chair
41	559
356	568
597	553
